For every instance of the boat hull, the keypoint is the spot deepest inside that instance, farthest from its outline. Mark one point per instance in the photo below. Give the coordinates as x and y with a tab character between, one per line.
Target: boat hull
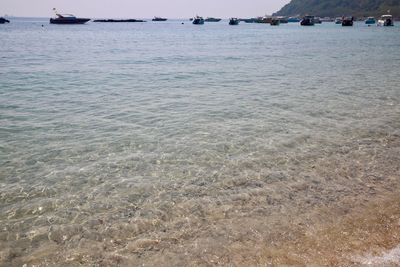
159	19
294	20
3	21
307	23
385	23
234	22
212	20
275	22
198	21
347	23
69	21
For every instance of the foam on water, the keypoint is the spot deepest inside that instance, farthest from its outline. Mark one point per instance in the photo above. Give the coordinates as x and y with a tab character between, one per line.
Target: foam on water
169	143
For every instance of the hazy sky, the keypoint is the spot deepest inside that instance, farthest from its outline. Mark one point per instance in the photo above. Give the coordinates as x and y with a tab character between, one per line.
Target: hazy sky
142	8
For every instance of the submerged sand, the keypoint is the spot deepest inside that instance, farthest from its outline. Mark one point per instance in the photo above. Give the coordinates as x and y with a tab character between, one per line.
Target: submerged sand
341	209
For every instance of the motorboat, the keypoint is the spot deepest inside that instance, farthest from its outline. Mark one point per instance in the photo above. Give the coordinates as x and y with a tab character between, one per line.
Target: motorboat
282	19
338	20
210	19
159	19
3	20
307	21
198	20
347	21
386	20
275	22
317	20
294	19
370	21
67	19
266	20
234	21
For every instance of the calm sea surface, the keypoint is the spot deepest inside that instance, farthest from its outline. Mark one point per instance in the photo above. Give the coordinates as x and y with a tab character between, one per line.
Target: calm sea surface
169	143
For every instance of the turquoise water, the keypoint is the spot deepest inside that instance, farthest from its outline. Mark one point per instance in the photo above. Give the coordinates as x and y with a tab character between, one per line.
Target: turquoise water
132	139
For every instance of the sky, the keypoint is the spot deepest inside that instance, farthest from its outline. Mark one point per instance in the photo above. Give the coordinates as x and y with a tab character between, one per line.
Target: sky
141	8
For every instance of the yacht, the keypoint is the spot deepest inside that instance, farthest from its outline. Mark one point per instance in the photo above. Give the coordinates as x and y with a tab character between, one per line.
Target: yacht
370	20
386	20
307	21
3	20
67	19
234	21
198	20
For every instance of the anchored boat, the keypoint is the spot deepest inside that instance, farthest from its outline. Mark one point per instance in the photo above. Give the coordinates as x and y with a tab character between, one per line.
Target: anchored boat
386	20
210	19
307	21
234	21
275	22
294	19
370	21
159	19
347	21
338	20
67	19
3	20
198	20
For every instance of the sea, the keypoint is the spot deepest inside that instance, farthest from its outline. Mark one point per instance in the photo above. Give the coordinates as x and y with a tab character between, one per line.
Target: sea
173	144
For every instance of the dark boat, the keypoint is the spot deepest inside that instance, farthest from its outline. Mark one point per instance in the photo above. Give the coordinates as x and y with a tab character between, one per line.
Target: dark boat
3	20
67	19
159	19
119	20
275	22
234	21
198	20
307	21
348	21
212	20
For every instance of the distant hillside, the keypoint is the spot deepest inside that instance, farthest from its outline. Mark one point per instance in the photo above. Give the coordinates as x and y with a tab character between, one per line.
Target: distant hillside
334	8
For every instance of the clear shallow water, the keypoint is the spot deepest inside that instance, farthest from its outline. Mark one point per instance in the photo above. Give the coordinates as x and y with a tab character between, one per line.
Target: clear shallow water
163	142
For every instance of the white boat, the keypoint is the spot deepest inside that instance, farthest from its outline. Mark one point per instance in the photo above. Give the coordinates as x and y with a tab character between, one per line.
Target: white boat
338	20
386	20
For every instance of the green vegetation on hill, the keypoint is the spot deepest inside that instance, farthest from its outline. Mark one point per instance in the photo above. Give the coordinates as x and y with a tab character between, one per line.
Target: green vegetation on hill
334	8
